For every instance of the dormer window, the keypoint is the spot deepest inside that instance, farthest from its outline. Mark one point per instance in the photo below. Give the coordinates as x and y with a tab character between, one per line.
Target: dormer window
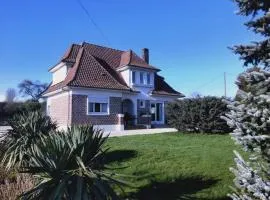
148	77
133	77
141	78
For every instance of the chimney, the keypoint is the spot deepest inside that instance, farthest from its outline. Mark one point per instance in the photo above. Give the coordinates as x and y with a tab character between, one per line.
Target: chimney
145	55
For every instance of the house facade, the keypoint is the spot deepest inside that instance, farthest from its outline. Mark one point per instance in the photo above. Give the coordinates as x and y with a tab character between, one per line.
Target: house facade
108	88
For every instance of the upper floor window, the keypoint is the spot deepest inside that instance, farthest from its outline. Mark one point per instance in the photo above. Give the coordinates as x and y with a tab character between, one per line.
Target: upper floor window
141	78
133	77
148	78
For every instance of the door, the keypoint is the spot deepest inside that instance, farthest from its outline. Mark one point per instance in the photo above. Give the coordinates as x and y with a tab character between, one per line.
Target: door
157	113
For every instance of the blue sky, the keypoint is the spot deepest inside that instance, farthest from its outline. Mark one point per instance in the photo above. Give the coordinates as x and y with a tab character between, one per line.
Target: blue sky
188	41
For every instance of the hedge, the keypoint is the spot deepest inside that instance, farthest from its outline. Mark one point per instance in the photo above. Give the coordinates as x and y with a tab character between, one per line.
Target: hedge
199	115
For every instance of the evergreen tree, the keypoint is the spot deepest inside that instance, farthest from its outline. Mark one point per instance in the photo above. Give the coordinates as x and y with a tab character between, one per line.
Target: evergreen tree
257	53
249	114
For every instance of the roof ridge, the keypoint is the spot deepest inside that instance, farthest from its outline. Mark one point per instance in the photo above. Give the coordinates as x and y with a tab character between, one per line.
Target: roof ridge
101	46
77	64
130	56
104	68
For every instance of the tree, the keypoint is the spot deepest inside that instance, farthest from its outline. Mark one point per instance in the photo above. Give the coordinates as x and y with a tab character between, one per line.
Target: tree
250	111
249	117
33	89
10	95
257	53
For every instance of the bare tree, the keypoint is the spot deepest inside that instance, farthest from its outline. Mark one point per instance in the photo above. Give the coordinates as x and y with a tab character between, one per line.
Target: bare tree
10	95
33	89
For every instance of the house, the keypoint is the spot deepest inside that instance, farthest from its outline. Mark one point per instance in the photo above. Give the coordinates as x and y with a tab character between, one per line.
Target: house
107	88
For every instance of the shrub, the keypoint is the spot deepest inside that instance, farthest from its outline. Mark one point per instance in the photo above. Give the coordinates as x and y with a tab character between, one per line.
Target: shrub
10	190
200	115
27	129
70	165
8	110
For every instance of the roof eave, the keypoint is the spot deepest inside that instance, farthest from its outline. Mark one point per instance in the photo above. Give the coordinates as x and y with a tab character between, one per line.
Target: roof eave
169	94
124	67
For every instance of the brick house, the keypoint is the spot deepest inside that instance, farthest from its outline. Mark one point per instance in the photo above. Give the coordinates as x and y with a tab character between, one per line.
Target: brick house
102	86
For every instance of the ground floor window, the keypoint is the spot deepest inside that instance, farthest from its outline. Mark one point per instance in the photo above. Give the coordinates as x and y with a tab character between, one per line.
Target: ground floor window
97	106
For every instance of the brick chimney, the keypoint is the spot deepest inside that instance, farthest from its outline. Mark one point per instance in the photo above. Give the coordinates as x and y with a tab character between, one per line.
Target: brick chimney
145	55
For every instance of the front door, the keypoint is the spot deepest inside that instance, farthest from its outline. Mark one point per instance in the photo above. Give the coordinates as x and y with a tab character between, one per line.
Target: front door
157	113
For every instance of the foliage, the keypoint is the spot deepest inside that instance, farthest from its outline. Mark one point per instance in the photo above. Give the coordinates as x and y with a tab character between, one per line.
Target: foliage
33	89
250	112
10	190
201	114
249	118
256	53
8	110
27	129
70	165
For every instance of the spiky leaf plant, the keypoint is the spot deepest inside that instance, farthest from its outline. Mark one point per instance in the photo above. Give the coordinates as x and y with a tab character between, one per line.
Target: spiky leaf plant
69	165
27	128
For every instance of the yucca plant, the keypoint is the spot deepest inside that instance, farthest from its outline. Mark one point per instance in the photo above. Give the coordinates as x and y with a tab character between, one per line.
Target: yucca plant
70	165
27	128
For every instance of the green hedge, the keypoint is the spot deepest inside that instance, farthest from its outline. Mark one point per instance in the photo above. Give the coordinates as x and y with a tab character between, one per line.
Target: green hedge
199	115
7	110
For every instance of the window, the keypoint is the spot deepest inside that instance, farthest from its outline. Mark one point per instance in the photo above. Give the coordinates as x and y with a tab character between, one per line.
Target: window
141	77
97	106
148	78
133	77
142	103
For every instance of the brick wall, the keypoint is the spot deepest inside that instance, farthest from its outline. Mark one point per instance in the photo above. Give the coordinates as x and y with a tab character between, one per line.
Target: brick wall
79	112
60	110
115	105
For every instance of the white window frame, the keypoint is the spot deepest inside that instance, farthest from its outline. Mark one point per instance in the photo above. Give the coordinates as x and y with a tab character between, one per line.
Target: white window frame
148	75
142	79
100	101
133	77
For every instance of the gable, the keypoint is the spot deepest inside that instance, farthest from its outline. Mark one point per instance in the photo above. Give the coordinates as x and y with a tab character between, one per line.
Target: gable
93	66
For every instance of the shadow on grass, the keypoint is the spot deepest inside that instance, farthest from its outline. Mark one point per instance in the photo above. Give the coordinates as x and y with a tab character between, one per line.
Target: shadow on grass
119	155
176	190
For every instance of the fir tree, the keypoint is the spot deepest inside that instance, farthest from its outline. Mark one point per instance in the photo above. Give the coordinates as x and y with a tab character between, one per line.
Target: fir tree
249	114
256	53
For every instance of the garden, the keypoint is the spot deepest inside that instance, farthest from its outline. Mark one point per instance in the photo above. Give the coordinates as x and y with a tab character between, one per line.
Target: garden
38	161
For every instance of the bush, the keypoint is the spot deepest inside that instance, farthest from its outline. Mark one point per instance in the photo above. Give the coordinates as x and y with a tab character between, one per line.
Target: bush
70	165
12	189
8	110
200	115
27	129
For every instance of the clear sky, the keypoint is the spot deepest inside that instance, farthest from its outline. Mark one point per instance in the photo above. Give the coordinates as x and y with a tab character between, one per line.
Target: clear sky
188	40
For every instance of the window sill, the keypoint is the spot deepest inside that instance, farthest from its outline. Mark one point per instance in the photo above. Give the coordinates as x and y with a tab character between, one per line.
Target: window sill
97	113
141	85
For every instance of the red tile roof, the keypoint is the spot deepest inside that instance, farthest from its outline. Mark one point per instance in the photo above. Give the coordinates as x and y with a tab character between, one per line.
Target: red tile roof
131	59
96	67
163	88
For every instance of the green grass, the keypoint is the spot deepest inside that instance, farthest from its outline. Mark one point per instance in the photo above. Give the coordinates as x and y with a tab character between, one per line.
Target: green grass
174	166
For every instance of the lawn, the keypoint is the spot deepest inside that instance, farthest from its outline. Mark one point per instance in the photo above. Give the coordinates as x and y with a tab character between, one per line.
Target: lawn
174	166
